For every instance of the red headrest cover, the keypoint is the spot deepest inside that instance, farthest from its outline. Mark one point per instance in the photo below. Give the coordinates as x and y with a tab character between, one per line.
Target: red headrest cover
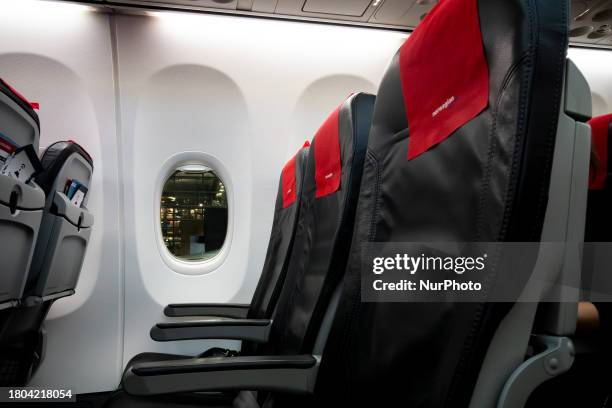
600	126
328	165
444	74
289	180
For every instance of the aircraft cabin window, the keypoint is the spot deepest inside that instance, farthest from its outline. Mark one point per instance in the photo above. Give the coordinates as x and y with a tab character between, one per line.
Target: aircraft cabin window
194	213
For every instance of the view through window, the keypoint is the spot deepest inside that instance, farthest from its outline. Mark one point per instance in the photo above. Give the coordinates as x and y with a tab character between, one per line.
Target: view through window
194	213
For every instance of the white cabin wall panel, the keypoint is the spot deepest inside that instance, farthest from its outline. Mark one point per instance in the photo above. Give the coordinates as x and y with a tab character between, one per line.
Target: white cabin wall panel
60	56
247	91
596	66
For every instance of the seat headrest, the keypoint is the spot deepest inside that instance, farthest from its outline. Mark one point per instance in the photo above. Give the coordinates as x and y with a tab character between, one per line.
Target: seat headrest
328	163
54	158
335	140
453	76
289	178
601	131
491	132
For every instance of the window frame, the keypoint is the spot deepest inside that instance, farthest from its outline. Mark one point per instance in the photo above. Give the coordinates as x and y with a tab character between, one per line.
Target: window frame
172	164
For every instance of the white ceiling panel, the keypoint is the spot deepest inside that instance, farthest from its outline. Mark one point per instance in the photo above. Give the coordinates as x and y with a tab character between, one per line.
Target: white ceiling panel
355	8
402	12
591	22
350	10
264	6
217	4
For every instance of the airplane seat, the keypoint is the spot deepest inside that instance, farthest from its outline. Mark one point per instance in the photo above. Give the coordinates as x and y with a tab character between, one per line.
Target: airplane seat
493	150
66	226
284	224
21	201
21	210
316	267
58	255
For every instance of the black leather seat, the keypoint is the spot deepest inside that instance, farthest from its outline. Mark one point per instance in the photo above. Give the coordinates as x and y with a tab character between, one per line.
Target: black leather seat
316	267
284	225
488	181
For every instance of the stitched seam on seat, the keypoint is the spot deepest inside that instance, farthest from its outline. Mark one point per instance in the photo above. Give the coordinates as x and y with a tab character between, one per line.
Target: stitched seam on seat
550	145
376	193
486	179
521	123
355	302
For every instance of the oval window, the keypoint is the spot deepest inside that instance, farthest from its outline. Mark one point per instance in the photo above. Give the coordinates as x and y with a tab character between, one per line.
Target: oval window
194	213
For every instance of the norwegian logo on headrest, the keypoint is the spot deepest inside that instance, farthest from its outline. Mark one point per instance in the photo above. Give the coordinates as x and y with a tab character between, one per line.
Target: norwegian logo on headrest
444	74
600	128
328	165
289	180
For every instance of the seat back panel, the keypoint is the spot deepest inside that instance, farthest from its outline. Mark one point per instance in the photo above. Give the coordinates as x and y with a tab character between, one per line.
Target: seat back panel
20	203
66	227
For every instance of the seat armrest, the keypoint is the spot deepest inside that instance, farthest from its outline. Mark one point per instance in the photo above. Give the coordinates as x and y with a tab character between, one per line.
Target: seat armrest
294	374
232	310
256	330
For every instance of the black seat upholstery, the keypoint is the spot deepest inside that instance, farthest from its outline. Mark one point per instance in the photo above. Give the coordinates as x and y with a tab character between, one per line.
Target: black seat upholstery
488	182
284	225
318	259
325	230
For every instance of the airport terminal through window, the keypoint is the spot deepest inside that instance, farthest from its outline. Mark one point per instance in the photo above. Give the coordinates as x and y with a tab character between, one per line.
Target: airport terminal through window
194	213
